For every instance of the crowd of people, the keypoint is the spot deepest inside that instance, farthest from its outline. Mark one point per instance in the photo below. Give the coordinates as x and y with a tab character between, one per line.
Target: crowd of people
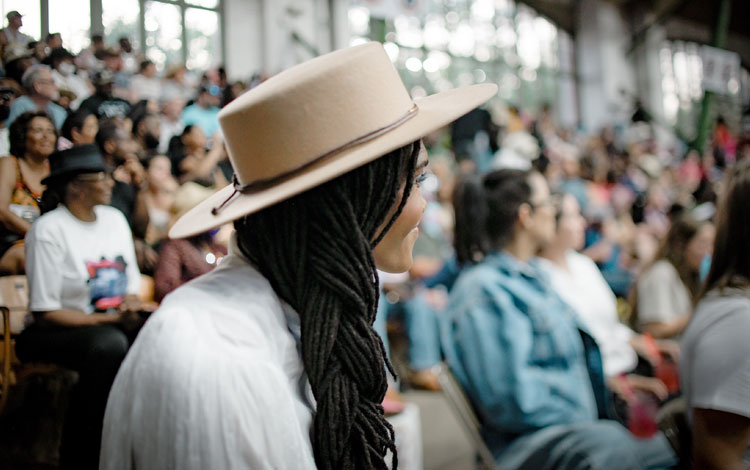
556	273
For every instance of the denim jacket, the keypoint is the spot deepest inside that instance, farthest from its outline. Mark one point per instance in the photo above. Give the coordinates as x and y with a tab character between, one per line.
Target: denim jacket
519	352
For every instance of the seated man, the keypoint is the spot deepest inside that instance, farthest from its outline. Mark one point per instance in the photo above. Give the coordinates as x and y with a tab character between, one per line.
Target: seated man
528	365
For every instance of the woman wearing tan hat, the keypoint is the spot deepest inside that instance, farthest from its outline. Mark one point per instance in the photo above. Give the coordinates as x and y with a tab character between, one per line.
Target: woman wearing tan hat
270	360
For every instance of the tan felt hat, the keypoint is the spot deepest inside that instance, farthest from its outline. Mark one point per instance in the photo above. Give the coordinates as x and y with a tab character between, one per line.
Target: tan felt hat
317	121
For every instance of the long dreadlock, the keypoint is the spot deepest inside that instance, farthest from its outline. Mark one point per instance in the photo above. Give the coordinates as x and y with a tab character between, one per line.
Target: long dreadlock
316	251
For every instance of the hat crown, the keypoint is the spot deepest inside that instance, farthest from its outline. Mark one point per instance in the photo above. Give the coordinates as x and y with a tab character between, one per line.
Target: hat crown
77	159
312	109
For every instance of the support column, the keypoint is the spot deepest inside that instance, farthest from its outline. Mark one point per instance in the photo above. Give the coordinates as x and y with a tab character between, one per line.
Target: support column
720	41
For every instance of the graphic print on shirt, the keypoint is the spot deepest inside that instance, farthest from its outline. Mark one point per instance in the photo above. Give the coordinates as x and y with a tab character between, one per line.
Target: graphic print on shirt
107	282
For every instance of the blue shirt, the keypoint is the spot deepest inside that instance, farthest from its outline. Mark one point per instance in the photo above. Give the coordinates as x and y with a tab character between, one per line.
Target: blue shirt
206	119
519	351
24	103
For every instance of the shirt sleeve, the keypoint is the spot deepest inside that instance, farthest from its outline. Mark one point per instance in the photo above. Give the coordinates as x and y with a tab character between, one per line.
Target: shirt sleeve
655	304
490	346
721	364
44	259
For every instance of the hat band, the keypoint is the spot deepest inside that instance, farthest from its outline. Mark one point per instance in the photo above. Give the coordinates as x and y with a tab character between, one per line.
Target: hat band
262	184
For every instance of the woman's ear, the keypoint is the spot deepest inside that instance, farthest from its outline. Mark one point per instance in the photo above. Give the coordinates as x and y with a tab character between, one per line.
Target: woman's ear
524	216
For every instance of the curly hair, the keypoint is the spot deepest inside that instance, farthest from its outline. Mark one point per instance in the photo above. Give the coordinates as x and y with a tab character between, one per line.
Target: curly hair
19	128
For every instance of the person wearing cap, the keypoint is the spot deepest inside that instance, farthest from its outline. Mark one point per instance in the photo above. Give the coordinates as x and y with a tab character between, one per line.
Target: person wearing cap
66	78
204	111
43	92
83	284
270	360
12	33
103	103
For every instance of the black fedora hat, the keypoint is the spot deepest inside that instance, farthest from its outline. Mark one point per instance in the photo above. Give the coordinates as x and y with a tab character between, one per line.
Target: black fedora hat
64	164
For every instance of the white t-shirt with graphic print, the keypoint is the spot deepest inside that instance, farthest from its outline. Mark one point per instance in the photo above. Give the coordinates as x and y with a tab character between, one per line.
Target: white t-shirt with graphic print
77	265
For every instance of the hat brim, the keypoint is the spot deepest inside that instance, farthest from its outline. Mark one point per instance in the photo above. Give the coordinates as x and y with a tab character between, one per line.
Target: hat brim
70	173
435	111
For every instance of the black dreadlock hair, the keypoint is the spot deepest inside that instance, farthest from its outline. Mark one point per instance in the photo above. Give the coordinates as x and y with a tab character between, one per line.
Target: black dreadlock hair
316	251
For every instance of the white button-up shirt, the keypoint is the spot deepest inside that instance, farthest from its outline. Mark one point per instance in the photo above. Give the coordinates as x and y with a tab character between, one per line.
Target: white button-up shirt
215	380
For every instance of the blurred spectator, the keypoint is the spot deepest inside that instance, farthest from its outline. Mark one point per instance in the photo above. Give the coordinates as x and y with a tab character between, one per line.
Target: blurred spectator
54	41
17	60
102	102
199	164
667	288
170	122
147	132
130	58
38	51
66	78
42	92
715	369
464	131
87	58
11	34
176	85
529	366
145	85
81	127
578	281
83	285
181	260
32	140
7	95
159	197
119	152
204	112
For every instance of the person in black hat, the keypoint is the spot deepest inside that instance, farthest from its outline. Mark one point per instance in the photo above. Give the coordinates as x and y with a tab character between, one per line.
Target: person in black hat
83	283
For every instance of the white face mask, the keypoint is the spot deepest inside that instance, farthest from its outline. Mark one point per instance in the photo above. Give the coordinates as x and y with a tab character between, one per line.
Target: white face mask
66	68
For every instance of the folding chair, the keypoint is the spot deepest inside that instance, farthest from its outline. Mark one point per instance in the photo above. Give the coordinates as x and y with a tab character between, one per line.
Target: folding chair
14	301
465	414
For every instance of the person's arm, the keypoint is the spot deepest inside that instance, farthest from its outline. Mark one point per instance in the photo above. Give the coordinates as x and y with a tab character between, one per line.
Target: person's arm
720	439
7	182
668	329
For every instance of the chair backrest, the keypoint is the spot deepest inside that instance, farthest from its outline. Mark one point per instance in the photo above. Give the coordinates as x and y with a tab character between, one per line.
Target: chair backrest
461	407
14	295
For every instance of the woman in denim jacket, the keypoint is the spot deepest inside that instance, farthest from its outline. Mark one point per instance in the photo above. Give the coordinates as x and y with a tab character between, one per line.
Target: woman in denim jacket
528	365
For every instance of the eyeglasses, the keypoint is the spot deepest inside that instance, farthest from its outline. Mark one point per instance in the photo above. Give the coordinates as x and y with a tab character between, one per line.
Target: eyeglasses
549	202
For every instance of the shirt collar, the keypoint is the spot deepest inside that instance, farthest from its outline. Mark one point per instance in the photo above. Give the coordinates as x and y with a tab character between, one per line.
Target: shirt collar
512	265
